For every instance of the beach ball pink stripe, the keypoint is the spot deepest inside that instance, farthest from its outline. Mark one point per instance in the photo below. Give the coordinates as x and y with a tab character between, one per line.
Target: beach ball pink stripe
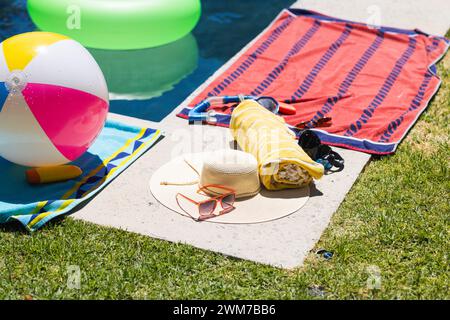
69	117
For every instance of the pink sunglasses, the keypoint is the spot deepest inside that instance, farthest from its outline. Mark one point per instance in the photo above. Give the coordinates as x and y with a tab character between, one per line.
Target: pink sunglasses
206	208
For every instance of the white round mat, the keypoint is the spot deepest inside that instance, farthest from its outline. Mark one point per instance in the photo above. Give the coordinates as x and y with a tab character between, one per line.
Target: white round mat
266	206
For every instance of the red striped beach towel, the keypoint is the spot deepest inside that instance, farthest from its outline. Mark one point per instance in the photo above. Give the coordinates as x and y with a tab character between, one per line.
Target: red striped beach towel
373	82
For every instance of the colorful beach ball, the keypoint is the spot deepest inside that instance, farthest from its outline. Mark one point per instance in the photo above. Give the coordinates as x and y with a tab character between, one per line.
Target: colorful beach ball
53	99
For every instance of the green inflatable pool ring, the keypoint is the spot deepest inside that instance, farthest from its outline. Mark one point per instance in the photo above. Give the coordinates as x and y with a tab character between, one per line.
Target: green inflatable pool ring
117	24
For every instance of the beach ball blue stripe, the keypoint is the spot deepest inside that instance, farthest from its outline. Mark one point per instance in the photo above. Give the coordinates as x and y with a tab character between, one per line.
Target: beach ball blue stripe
3	95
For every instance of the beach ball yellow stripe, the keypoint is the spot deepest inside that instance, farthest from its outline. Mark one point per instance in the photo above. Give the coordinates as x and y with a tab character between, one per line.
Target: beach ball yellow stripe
21	49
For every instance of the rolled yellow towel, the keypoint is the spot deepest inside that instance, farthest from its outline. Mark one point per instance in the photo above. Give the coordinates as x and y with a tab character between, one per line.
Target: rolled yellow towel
52	174
282	163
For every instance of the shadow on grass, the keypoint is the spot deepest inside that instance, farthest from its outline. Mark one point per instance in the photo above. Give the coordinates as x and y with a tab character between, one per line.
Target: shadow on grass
16	227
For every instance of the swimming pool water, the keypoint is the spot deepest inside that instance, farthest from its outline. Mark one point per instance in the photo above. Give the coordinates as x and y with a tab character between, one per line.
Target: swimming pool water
150	83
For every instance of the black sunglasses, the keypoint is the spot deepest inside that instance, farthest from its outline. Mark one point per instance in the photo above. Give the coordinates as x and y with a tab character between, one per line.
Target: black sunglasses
311	144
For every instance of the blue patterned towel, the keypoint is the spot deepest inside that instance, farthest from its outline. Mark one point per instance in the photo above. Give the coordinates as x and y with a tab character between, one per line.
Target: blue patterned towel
117	147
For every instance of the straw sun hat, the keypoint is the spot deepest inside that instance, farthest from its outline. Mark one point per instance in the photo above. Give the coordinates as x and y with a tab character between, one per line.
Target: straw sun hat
230	168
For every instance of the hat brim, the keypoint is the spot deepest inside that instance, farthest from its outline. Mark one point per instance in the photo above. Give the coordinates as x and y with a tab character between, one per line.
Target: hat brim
263	207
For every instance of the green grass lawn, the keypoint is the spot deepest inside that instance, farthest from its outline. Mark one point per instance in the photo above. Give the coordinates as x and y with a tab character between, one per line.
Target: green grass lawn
394	220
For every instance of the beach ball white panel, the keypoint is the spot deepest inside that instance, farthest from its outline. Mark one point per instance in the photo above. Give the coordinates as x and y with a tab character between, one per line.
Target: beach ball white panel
4	70
58	65
21	136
